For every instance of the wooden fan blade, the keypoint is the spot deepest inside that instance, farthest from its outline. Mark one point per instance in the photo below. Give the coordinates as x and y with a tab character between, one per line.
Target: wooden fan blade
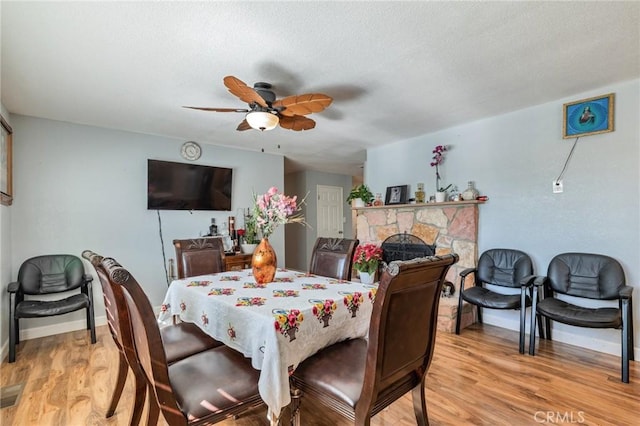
218	109
303	104
245	93
243	126
297	123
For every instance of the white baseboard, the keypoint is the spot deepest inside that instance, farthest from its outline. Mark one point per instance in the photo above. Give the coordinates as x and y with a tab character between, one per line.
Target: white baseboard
587	342
50	330
583	341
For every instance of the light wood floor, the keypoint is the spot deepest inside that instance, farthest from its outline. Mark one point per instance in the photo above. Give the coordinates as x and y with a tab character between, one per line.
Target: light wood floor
477	378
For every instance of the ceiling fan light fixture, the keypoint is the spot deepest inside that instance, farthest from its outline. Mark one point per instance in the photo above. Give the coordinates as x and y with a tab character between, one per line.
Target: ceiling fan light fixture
262	120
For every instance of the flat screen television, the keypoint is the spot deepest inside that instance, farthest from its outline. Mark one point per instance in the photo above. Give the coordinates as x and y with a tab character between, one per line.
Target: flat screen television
180	186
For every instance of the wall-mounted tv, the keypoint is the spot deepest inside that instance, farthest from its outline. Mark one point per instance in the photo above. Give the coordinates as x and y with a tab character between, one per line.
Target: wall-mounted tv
180	186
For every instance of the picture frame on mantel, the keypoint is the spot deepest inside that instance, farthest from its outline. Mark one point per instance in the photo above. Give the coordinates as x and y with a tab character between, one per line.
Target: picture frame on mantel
587	117
396	195
6	156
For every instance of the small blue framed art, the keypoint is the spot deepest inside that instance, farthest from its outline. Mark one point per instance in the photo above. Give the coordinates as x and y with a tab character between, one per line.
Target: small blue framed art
588	117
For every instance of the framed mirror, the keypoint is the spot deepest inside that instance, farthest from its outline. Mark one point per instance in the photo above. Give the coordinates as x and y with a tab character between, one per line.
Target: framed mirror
6	184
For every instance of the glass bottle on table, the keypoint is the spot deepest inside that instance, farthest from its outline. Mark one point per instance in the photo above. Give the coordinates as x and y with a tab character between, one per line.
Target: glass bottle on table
378	201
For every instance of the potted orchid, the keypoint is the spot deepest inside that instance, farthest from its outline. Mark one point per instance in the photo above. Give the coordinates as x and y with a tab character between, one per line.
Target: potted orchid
438	158
365	260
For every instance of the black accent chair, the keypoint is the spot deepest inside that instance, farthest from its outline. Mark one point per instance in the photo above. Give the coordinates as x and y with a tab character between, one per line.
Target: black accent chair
360	377
44	275
590	276
333	257
503	268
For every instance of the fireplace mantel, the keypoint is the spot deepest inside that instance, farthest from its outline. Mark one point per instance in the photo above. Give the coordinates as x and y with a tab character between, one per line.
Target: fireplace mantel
451	226
419	205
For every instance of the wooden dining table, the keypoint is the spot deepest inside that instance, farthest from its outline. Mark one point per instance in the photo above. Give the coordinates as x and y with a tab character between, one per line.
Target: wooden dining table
278	324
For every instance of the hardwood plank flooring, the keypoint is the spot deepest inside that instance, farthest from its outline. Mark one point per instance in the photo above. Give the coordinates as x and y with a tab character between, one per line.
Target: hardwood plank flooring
477	378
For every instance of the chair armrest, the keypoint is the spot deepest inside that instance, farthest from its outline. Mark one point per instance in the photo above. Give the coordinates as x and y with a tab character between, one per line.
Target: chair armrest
87	278
528	281
538	281
625	292
13	287
467	271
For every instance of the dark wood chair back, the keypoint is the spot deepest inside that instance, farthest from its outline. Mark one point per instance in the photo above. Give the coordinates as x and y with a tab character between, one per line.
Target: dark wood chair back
113	320
333	257
180	339
203	388
118	322
403	330
358	378
199	256
135	310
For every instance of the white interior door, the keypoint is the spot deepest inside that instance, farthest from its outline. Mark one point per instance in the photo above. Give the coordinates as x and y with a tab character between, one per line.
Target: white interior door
330	214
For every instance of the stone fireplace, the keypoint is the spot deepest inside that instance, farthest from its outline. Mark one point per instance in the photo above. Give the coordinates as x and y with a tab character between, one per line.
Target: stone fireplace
452	227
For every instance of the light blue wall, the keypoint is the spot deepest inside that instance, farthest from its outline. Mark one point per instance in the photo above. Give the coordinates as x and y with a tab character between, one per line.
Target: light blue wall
80	187
513	159
300	241
297	237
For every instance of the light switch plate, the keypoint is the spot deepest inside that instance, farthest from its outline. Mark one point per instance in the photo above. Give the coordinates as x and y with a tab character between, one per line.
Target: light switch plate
557	186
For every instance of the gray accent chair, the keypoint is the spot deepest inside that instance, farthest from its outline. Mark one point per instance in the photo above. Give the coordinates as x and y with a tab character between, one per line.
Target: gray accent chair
587	276
508	268
46	275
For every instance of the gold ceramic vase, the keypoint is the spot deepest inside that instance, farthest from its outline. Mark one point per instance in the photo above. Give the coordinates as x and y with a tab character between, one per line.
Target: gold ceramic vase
264	262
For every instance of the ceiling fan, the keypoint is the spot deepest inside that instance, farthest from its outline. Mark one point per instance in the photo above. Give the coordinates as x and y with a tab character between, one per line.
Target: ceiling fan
265	112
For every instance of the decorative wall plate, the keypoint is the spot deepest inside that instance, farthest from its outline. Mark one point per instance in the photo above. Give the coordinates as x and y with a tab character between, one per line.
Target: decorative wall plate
190	151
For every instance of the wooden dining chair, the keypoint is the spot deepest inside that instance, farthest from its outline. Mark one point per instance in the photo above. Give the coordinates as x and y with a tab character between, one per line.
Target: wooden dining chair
199	256
179	341
358	378
333	257
203	388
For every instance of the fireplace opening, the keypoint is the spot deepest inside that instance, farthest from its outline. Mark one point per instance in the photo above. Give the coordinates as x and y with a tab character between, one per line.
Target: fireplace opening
405	247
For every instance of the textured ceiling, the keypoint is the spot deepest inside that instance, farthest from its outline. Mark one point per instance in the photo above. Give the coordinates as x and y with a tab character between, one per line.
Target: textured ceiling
396	70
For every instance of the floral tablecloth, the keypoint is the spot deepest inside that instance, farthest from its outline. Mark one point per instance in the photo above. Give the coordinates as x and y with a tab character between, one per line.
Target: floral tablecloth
278	324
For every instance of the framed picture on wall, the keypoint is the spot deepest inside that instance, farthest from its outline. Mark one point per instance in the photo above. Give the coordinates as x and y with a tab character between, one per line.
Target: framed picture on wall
6	190
588	116
396	194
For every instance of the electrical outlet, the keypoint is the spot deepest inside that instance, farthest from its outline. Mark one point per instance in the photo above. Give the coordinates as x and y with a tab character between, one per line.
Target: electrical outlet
557	186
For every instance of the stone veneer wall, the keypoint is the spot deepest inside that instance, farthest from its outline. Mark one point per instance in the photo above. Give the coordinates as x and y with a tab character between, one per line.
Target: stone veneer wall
452	227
